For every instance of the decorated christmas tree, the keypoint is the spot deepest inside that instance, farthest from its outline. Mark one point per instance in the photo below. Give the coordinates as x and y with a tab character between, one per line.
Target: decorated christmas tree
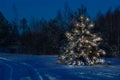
82	47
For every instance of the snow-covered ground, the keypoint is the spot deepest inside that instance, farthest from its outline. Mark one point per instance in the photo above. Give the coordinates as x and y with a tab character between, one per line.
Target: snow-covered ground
23	67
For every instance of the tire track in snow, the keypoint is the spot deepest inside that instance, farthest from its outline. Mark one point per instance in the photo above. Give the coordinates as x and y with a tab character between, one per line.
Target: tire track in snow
17	71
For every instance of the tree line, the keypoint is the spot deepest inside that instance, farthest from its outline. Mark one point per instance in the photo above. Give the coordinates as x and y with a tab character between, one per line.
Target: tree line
42	37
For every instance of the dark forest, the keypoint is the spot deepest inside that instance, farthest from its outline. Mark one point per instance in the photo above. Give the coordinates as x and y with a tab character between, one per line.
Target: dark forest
43	37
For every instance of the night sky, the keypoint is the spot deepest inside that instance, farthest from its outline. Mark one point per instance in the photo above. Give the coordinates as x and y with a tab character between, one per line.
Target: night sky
48	8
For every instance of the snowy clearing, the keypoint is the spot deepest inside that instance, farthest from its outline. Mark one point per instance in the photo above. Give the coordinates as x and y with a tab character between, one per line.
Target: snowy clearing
23	67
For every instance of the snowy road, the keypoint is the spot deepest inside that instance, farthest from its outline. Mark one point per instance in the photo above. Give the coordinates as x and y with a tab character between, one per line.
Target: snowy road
22	67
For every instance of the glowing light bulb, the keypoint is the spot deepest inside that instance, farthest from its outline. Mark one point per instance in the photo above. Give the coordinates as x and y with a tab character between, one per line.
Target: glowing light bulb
87	58
88	32
91	25
76	31
92	63
77	25
82	52
79	39
93	44
94	35
78	62
104	52
94	58
71	59
89	46
87	19
62	57
72	43
86	41
68	34
81	45
81	17
90	51
98	54
83	25
99	38
71	51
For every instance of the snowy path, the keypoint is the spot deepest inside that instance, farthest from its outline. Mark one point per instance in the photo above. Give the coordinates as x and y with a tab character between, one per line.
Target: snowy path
16	67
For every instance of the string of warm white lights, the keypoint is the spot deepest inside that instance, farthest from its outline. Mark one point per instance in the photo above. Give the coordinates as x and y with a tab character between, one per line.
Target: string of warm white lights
83	46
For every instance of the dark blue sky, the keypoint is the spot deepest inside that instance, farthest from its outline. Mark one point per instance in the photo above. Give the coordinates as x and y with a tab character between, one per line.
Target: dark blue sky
48	8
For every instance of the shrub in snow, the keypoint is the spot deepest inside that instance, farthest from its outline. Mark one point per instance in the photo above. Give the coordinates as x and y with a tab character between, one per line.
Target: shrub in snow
82	46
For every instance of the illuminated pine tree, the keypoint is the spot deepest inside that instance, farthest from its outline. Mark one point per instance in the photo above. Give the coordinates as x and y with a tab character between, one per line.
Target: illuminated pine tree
82	46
